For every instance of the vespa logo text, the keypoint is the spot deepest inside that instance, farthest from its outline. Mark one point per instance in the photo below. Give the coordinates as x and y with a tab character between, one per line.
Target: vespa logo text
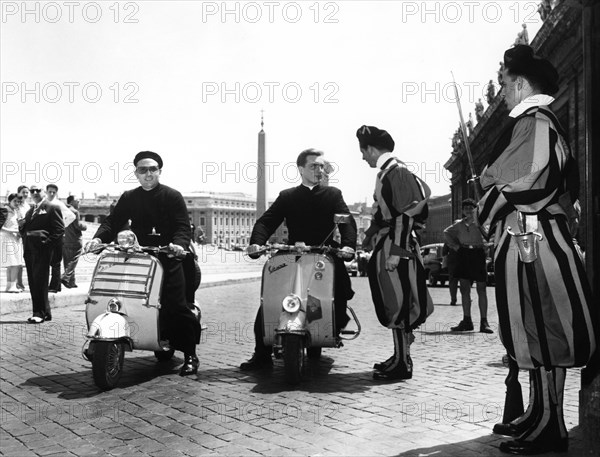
273	269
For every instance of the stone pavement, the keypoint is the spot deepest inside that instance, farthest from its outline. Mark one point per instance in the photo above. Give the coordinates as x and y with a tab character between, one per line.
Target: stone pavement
50	405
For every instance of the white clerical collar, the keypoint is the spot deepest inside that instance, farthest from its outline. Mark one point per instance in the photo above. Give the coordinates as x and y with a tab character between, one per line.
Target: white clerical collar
383	158
530	102
310	187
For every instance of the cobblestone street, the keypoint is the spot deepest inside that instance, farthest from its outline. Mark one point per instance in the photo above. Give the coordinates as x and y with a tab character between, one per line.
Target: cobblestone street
50	405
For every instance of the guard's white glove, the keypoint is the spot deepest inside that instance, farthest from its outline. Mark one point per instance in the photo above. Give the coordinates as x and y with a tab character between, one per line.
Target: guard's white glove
346	253
92	245
253	251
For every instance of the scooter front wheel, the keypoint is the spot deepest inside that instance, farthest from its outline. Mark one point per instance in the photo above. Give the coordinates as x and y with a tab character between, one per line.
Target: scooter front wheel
107	363
293	358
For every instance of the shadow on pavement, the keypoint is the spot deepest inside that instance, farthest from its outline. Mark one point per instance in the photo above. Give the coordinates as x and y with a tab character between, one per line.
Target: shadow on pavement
75	385
316	378
488	446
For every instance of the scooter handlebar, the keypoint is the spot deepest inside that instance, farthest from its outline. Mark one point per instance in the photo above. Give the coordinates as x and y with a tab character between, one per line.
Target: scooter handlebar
155	250
301	248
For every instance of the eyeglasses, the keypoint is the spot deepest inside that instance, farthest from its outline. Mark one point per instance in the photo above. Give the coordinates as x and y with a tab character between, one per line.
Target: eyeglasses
144	170
35	191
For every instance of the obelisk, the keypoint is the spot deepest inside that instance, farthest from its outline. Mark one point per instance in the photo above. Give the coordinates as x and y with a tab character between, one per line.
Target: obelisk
261	181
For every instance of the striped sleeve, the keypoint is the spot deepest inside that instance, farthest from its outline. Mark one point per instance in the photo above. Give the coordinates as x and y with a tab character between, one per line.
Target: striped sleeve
527	174
402	193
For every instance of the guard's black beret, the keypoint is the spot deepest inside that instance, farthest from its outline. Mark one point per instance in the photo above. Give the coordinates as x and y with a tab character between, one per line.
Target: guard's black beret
520	60
372	136
147	155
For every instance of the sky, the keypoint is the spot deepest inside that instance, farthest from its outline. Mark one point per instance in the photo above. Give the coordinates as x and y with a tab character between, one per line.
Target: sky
86	85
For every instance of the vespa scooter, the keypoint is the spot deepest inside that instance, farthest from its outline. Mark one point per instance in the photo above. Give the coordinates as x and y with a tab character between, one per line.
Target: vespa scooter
123	305
297	295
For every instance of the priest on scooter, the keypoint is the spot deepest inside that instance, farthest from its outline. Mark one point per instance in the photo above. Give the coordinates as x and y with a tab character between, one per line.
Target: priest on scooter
308	211
158	216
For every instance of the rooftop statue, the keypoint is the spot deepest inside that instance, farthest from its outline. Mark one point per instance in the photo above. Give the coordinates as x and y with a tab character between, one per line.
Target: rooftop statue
523	36
478	110
491	90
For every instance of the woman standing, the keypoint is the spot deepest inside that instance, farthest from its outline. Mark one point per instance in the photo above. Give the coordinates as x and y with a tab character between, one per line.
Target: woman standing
11	246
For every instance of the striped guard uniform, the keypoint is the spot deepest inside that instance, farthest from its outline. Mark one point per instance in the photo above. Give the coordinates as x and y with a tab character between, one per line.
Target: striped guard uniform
551	327
400	297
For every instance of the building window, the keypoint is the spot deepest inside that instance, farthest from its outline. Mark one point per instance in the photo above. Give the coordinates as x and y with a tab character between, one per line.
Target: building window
202	220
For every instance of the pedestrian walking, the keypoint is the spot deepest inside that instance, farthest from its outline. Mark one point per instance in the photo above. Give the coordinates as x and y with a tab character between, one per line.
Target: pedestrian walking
73	245
547	320
450	261
395	270
465	239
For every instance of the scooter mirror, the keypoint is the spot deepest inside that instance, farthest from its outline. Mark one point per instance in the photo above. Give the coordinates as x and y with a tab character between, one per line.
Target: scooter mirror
342	218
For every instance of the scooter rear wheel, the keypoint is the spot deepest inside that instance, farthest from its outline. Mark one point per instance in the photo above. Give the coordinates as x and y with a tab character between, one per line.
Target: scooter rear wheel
164	356
314	352
107	363
293	358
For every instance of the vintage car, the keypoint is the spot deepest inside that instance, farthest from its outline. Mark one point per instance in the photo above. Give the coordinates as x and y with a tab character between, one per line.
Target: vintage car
435	269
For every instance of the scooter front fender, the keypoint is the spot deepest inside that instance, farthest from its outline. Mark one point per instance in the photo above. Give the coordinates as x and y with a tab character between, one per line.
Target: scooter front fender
110	326
292	322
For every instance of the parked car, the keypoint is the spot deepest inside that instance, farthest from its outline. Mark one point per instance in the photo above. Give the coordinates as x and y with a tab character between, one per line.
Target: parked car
432	261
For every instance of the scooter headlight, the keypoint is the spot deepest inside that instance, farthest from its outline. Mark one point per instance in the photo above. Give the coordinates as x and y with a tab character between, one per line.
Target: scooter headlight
126	239
291	303
114	305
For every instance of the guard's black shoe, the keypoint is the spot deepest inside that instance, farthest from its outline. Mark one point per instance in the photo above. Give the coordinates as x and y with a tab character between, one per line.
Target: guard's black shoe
381	366
257	362
507	430
190	365
484	327
392	375
463	326
518	447
48	317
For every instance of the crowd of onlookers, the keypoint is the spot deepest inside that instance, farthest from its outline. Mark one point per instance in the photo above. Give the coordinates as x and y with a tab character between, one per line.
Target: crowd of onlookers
28	235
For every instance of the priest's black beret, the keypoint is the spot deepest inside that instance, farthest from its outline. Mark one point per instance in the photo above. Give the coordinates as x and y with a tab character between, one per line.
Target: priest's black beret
148	155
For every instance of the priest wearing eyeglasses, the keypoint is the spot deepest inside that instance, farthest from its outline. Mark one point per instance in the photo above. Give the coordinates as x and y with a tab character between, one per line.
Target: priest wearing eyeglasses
158	216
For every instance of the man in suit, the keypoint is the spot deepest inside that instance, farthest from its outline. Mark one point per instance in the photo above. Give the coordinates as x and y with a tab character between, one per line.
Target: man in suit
42	230
308	211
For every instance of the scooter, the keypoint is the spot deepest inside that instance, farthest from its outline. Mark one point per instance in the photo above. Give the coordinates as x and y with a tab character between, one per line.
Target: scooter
123	305
297	296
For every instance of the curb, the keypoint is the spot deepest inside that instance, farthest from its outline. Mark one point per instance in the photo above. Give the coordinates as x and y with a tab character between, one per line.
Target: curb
70	297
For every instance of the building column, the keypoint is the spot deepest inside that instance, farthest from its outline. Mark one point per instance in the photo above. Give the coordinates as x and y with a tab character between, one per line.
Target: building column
589	395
